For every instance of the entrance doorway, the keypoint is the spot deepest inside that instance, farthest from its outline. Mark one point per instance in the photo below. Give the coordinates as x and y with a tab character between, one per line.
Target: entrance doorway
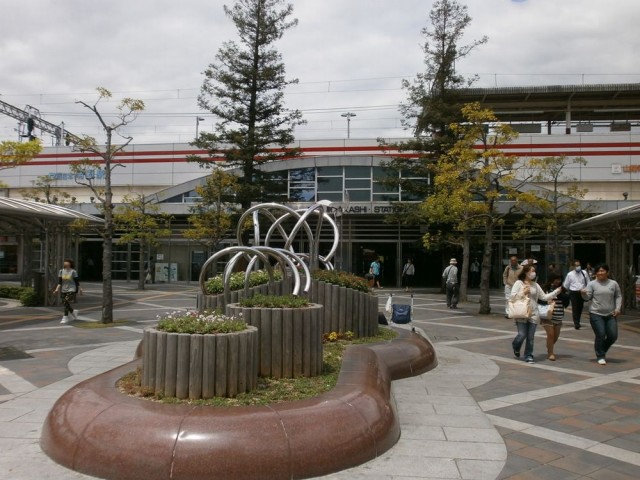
364	253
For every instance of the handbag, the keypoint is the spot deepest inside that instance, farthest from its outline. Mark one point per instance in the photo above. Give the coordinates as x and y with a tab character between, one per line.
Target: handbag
546	311
519	308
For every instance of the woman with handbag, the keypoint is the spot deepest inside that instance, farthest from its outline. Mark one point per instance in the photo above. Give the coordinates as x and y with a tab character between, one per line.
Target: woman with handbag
551	316
523	308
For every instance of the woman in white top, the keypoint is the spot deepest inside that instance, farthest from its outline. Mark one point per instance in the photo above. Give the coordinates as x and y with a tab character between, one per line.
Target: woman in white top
527	287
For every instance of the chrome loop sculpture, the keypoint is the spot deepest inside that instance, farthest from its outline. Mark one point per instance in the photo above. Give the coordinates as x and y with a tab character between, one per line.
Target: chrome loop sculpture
288	260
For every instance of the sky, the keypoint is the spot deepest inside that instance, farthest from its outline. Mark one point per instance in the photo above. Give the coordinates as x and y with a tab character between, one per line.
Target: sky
348	56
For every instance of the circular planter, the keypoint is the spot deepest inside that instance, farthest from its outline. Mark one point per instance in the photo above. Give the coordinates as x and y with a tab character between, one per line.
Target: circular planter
200	366
289	339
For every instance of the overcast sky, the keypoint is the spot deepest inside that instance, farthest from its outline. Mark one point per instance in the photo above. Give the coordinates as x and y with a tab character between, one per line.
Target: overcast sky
349	56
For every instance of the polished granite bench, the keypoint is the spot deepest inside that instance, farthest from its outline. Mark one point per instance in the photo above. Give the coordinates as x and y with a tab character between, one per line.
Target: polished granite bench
95	429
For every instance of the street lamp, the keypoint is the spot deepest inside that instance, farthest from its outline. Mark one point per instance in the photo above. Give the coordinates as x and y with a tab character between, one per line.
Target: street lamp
348	116
198	120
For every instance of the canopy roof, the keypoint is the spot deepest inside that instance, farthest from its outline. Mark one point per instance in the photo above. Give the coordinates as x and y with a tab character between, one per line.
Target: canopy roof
587	103
15	212
627	216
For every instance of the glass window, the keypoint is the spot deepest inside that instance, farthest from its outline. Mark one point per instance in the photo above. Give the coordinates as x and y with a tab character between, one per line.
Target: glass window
360	195
330	184
382	188
386	197
381	173
302	175
334	197
357	183
302	194
329	171
357	172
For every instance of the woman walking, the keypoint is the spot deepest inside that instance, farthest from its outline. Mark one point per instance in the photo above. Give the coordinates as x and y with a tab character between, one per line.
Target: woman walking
605	307
553	325
69	285
408	271
526	288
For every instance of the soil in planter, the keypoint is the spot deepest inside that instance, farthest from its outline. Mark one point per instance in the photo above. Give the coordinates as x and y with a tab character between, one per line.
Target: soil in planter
269	390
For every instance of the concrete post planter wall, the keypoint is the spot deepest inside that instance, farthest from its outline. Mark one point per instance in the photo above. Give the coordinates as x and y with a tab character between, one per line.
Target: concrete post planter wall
346	309
200	366
290	339
216	301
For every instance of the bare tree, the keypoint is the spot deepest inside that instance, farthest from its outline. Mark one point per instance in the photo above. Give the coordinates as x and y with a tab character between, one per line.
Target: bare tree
97	177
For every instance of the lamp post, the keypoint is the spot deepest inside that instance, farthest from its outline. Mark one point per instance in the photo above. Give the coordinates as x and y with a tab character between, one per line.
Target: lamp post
348	116
198	120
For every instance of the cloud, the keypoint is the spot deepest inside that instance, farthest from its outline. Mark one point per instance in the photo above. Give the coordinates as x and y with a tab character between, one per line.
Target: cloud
347	55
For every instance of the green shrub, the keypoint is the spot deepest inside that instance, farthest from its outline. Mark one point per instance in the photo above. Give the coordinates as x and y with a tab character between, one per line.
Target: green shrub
29	297
11	291
274	301
343	279
26	295
214	285
200	323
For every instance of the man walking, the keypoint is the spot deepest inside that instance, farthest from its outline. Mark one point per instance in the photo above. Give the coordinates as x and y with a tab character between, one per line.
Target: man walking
509	277
450	277
576	280
606	305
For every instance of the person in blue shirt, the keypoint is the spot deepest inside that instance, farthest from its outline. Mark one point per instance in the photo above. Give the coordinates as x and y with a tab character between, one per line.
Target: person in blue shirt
376	270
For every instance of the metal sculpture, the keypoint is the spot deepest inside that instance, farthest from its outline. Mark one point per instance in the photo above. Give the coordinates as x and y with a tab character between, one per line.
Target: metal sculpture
288	260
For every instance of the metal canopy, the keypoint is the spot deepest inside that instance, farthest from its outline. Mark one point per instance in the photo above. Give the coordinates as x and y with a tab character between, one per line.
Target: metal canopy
14	211
629	216
587	103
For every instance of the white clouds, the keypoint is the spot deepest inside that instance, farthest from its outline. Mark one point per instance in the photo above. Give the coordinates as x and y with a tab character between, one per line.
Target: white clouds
152	49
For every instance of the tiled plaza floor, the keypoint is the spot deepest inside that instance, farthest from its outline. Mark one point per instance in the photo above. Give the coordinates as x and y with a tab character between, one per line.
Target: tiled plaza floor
481	414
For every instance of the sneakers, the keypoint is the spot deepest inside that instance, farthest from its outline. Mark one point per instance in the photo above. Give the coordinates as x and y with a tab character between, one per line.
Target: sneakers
602	361
516	353
529	360
65	319
552	357
576	326
74	314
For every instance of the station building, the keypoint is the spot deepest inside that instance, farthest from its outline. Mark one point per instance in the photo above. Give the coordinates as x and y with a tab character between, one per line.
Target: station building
596	122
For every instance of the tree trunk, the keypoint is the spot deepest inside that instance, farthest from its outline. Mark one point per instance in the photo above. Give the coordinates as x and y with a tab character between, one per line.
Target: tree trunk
464	276
485	274
141	263
107	252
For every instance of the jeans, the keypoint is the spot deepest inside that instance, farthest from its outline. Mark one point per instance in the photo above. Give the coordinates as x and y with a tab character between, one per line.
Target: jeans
577	303
526	332
452	294
606	331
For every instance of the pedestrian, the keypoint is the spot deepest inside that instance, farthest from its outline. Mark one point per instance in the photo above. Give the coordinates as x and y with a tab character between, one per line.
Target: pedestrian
450	277
553	325
526	288
574	282
474	269
509	277
408	271
606	304
375	269
68	285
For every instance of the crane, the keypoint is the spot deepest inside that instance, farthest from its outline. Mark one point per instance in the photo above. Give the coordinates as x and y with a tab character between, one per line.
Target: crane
30	117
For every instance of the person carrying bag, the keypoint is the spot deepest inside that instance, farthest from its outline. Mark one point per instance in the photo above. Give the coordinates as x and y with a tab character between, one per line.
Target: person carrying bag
523	309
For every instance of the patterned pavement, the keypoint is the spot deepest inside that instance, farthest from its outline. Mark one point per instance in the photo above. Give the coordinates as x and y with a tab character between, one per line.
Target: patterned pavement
568	419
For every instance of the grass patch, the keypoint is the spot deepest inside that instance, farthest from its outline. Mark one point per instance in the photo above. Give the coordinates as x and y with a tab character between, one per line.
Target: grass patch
269	390
91	325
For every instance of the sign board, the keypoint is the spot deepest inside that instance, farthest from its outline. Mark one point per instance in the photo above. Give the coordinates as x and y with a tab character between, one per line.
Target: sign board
160	256
535	248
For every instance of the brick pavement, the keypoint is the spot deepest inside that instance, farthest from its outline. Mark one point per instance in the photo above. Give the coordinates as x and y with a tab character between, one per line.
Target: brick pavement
481	414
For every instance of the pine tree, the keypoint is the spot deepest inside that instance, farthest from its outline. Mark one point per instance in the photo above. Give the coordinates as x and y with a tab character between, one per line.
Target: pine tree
432	102
244	88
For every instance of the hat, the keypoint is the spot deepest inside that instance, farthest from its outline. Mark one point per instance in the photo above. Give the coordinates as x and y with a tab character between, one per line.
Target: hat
453	260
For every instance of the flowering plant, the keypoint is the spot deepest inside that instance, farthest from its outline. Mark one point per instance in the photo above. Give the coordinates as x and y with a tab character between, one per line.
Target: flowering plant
342	279
208	322
335	336
236	281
